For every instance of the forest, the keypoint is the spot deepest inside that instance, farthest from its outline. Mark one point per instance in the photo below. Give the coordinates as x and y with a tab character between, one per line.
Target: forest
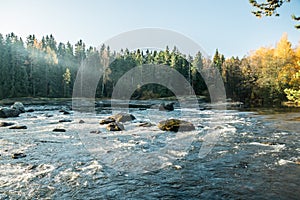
45	68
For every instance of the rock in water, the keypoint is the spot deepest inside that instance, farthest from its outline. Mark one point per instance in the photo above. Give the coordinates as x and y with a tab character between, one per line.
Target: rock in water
107	120
18	155
115	126
123	117
81	121
167	107
59	130
18	106
5	124
9	112
120	117
175	125
65	120
18	127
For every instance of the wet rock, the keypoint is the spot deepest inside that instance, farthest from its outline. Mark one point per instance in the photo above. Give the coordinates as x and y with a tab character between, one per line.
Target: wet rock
9	112
145	124
66	113
175	125
48	115
18	127
166	107
18	106
30	110
96	132
18	155
107	120
5	124
115	126
123	117
64	120
59	130
81	121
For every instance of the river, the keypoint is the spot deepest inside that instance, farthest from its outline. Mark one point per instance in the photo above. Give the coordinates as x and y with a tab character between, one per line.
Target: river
256	156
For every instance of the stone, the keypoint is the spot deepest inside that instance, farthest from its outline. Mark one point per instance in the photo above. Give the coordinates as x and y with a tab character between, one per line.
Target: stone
123	117
175	125
59	130
18	155
96	132
30	110
5	124
18	106
166	107
115	126
145	124
9	112
18	127
65	120
120	117
107	120
81	121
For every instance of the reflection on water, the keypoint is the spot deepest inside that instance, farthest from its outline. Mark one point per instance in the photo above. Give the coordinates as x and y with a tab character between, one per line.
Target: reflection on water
256	157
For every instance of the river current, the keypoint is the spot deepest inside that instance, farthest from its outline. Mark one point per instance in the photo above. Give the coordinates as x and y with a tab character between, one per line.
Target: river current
256	156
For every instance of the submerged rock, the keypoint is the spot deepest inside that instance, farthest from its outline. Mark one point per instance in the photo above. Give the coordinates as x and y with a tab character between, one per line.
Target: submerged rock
5	124
18	106
167	107
145	124
115	126
175	125
18	127
59	130
65	120
18	155
96	132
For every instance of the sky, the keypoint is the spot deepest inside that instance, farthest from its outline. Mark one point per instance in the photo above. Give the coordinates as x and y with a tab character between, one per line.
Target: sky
228	26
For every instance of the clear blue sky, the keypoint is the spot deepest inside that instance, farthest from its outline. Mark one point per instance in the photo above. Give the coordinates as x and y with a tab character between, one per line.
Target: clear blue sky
227	25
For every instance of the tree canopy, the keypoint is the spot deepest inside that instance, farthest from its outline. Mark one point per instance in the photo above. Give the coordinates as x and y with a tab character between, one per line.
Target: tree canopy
269	8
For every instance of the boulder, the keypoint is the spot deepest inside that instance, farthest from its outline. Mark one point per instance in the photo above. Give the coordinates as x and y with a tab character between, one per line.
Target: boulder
18	106
5	124
81	121
166	107
120	117
123	117
175	125
9	112
115	126
107	120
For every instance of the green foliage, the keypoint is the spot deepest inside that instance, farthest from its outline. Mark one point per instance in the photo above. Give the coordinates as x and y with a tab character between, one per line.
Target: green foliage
293	95
269	8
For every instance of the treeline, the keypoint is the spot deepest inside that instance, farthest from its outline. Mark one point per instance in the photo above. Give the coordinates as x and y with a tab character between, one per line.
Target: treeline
45	68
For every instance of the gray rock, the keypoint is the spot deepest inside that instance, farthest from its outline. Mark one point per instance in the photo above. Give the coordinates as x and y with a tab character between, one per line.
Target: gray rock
18	106
9	112
166	107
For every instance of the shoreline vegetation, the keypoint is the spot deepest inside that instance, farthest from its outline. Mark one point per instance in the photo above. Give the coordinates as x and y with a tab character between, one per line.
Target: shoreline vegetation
45	70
